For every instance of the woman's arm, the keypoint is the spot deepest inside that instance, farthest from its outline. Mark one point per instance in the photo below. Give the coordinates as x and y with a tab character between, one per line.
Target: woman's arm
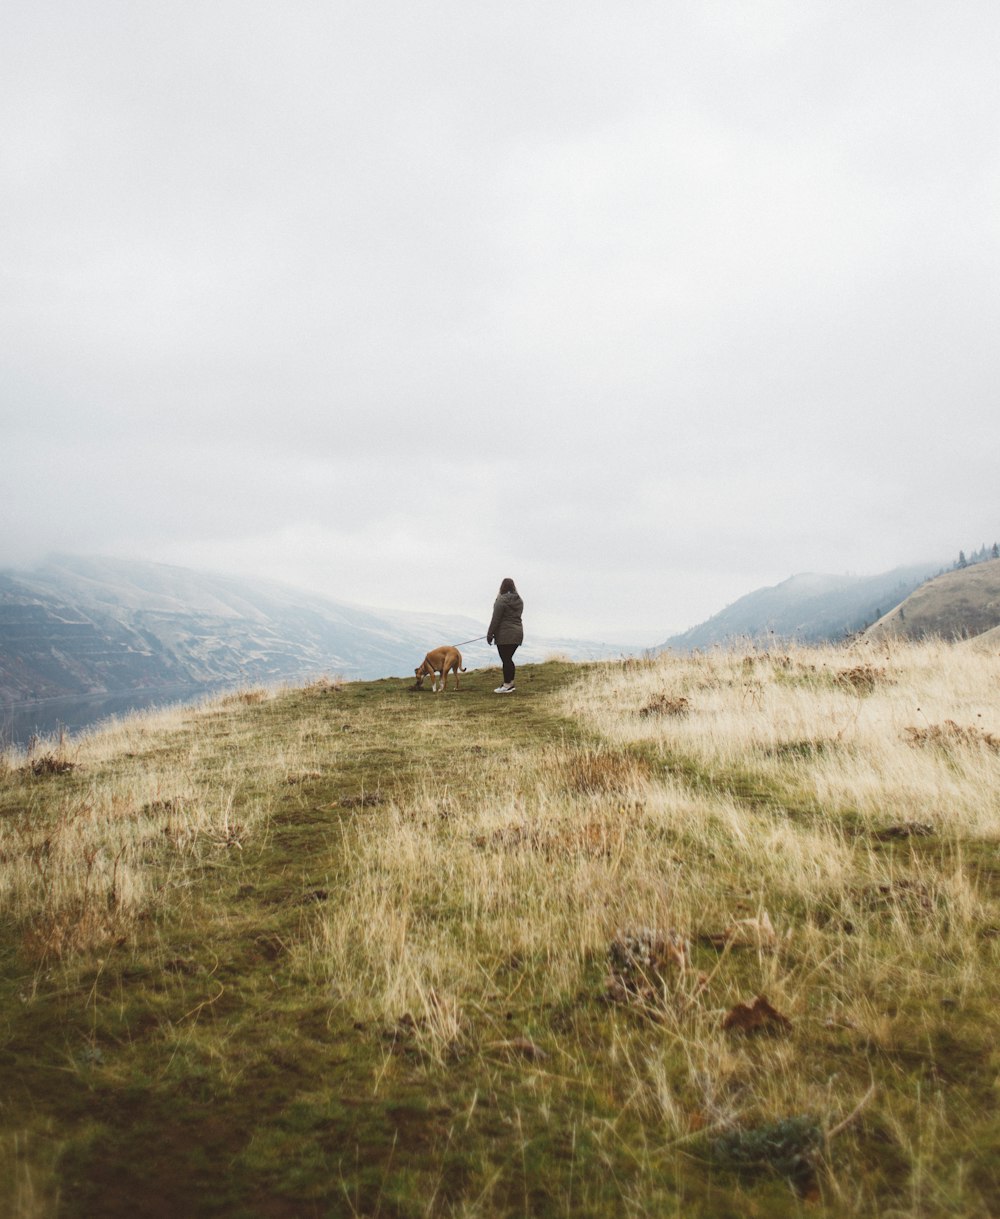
491	630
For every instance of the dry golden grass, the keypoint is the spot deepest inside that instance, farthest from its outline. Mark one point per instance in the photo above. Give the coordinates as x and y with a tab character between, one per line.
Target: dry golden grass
566	915
752	813
94	847
806	724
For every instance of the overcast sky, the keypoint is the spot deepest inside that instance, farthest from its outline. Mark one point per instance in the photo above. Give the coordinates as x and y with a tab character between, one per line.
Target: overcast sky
646	305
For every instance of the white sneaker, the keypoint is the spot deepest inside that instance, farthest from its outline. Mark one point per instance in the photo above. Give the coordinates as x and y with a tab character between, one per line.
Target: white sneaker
504	689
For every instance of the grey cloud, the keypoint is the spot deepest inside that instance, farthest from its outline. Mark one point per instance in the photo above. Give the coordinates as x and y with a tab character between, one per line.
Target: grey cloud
608	294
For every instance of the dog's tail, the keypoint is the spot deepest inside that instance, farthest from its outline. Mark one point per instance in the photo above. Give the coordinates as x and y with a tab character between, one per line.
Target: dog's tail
461	670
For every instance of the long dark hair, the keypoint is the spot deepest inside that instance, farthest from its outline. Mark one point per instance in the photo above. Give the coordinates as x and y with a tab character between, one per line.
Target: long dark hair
507	586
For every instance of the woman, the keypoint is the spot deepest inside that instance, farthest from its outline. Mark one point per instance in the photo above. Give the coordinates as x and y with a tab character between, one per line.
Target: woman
505	627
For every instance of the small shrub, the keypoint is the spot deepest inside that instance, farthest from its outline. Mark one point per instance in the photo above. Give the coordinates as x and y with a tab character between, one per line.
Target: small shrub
664	704
48	764
949	733
787	1148
642	963
862	679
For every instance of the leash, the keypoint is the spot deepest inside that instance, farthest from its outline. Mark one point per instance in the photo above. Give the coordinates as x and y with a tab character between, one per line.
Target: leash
465	641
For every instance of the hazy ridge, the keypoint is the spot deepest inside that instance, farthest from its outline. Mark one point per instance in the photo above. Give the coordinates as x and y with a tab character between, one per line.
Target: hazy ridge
807	608
82	626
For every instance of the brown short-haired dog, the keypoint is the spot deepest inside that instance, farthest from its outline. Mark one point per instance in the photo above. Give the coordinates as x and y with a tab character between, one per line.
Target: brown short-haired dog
443	660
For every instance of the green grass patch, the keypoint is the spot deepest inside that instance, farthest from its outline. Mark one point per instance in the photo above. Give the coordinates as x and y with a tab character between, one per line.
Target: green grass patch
344	951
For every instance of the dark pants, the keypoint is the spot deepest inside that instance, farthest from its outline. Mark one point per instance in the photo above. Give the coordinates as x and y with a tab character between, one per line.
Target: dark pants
507	651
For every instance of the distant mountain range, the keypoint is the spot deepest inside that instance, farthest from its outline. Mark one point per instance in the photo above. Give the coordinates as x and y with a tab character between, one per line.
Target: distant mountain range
808	608
81	627
85	626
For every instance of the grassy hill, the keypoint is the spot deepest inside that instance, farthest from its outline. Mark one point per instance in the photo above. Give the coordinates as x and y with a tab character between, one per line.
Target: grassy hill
701	936
955	605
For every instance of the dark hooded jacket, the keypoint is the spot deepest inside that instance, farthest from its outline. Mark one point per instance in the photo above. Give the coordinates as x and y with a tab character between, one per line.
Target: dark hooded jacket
505	625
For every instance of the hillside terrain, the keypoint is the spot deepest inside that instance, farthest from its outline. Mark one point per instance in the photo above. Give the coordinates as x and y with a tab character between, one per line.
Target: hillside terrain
78	626
957	604
711	936
807	608
987	641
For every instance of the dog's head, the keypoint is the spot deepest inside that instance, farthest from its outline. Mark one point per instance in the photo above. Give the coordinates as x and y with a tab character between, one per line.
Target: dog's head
420	672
